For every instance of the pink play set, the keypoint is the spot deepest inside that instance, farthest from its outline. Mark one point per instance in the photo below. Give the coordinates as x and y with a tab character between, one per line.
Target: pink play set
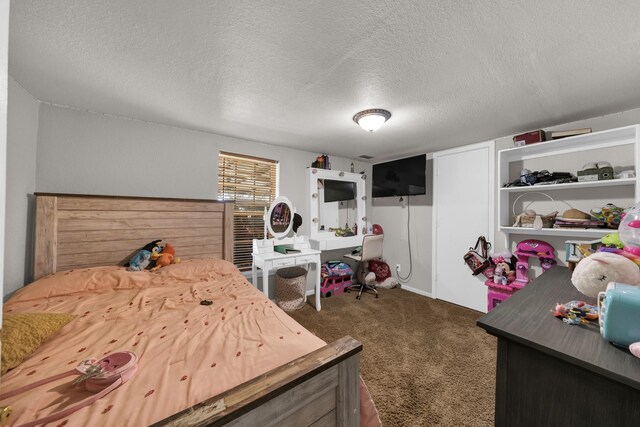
502	287
334	285
336	278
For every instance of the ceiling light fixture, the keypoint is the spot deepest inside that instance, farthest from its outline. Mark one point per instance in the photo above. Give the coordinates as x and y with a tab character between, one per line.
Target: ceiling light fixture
371	120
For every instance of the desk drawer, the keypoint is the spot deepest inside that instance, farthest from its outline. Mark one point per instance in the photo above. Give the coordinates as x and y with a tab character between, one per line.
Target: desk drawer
286	262
305	259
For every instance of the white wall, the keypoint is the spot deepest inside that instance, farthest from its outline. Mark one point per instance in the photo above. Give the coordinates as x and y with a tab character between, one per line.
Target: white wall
22	140
4	77
92	153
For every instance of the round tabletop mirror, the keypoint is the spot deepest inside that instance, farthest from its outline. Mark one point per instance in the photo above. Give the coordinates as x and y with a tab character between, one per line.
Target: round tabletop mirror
280	217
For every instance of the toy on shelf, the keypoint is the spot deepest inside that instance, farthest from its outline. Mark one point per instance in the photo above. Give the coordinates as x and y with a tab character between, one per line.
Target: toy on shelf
612	240
532	248
576	250
610	215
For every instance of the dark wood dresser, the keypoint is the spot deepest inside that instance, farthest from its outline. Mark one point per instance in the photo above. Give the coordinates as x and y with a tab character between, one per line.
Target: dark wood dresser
553	374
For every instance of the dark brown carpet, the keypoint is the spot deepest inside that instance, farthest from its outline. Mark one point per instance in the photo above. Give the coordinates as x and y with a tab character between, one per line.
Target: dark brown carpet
425	361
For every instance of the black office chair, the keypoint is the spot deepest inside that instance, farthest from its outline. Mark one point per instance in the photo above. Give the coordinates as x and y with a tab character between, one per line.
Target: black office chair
371	249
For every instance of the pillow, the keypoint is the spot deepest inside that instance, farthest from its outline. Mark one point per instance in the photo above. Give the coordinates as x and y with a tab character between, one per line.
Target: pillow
23	333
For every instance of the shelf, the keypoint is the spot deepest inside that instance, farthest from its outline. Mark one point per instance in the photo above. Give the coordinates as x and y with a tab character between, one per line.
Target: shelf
572	185
591	141
581	232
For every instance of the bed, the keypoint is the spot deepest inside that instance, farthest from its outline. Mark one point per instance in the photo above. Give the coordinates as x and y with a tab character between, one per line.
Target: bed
238	361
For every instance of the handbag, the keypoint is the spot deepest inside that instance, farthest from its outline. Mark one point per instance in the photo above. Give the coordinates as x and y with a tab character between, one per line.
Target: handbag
478	262
99	376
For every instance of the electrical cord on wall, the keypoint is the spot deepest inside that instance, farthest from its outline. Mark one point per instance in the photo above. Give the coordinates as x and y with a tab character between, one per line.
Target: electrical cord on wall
404	279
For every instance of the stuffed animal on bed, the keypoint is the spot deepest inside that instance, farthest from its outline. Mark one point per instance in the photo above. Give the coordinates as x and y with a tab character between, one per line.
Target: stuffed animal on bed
166	257
142	258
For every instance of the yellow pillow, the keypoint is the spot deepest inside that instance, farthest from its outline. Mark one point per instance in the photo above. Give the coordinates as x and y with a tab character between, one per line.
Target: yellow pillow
23	333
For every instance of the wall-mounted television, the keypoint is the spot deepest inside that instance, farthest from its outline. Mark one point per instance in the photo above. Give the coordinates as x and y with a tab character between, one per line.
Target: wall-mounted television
337	191
402	177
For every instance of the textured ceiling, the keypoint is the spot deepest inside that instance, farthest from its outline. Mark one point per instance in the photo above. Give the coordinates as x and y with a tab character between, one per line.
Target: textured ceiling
293	73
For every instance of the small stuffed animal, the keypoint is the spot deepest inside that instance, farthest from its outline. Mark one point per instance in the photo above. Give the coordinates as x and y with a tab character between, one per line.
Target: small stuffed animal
498	275
612	240
142	258
166	257
593	274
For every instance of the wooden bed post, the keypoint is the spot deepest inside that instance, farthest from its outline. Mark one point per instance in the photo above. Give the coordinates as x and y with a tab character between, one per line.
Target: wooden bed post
228	232
46	238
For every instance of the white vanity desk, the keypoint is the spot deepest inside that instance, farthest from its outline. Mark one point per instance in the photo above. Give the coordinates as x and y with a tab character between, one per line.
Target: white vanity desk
266	259
280	221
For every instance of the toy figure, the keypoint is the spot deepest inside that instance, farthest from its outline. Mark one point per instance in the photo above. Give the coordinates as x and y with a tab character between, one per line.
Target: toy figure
498	275
166	257
612	240
142	258
576	312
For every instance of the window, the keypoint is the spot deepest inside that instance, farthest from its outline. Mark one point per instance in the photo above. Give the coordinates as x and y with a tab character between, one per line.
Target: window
251	182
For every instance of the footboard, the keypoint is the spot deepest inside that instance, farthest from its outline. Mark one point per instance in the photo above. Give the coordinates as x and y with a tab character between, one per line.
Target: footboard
320	389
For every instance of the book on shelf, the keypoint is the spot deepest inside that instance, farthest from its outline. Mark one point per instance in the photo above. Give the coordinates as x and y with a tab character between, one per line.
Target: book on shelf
557	134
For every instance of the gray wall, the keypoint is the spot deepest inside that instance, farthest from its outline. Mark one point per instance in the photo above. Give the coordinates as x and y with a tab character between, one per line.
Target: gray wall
4	96
91	153
22	136
393	216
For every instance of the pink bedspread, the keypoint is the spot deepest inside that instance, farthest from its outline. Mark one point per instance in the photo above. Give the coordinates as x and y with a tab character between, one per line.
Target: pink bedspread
187	352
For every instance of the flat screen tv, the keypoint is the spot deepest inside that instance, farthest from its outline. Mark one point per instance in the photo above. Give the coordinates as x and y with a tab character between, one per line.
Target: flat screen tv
403	177
336	191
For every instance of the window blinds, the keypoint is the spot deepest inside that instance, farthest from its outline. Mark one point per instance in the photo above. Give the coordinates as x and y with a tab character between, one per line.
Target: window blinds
251	183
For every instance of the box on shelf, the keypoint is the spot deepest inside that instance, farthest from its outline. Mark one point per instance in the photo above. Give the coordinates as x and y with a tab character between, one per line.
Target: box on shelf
529	138
595	174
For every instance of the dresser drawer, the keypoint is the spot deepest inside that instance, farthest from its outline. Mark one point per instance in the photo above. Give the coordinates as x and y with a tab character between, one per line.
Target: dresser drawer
277	263
305	259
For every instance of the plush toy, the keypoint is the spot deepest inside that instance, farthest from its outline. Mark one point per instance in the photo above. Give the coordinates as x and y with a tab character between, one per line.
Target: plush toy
142	258
593	274
612	240
499	274
166	257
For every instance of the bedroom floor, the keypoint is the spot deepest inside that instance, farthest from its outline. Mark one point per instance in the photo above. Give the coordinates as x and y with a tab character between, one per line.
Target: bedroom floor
425	361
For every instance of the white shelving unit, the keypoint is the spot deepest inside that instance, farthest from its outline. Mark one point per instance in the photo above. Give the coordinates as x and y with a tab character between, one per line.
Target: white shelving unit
568	151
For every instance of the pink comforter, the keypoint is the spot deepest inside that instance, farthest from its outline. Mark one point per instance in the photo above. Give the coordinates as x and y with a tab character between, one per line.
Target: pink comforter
187	352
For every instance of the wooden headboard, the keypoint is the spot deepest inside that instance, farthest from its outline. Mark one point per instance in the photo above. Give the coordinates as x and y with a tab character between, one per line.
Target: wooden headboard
75	231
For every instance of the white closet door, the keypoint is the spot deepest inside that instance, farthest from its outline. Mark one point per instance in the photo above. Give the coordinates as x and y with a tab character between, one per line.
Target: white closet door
463	203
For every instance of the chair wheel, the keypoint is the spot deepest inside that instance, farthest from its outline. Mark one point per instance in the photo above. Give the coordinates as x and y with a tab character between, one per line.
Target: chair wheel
377	295
358	297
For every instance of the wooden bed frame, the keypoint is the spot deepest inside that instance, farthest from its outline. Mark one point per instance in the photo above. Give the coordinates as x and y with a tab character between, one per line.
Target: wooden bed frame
75	231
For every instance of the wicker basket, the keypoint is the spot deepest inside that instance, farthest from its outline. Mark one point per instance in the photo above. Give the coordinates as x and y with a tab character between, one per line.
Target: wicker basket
291	287
529	221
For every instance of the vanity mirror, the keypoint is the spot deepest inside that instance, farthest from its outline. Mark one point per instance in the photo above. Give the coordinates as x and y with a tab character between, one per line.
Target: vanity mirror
279	218
337	208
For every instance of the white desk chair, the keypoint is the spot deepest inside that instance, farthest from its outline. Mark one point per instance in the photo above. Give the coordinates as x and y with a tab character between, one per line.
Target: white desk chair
371	249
